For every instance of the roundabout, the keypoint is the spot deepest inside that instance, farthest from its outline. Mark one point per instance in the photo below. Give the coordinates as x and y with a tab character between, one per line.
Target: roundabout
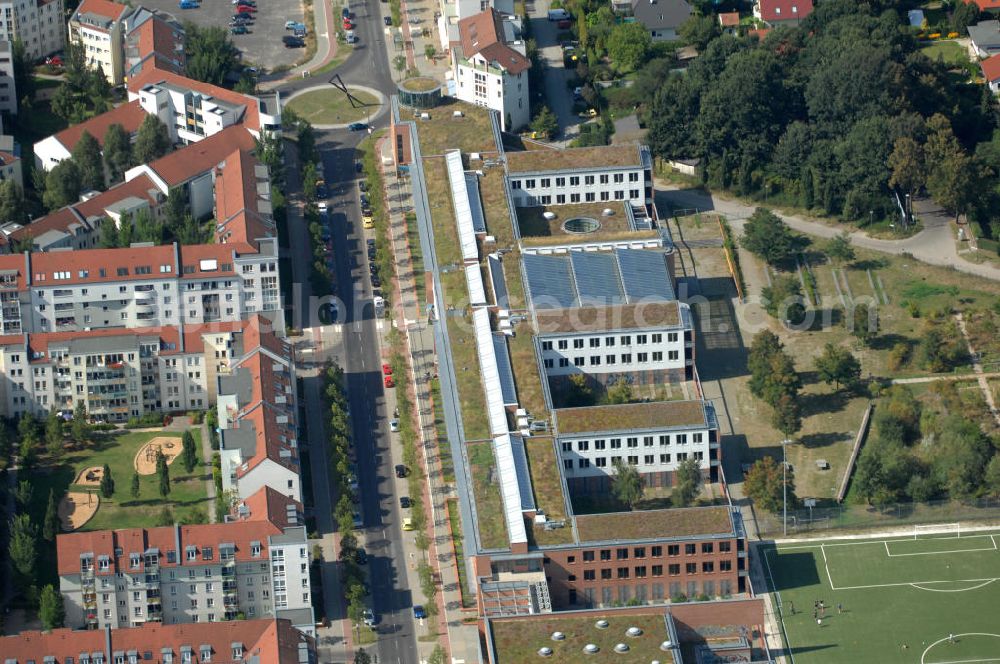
329	107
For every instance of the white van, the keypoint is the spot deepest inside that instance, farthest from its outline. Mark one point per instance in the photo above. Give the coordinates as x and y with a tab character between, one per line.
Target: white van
558	15
351	37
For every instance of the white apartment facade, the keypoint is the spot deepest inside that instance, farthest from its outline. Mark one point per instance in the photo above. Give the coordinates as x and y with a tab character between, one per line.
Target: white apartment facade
654	437
184	574
38	24
581	175
64	291
490	67
656	336
98	27
8	91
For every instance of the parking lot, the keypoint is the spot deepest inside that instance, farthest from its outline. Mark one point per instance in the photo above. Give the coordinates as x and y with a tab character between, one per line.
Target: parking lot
261	46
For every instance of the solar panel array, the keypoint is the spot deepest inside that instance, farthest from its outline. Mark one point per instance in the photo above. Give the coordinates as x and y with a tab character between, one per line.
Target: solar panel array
511	490
505	370
580	278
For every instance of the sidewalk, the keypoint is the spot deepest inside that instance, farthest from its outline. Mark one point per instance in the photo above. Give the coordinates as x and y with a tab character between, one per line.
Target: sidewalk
461	640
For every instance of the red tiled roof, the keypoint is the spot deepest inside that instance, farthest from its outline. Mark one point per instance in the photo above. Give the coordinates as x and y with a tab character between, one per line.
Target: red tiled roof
991	68
482	33
74	215
153	75
157	36
111	10
129	116
85	266
986	5
237	214
775	11
729	19
272	641
270	505
192	160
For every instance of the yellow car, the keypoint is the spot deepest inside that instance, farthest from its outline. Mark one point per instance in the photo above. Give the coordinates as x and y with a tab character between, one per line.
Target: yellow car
368	222
407	523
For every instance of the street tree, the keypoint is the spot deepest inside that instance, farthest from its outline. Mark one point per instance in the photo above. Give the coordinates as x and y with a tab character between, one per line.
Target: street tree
626	483
688	483
54	433
189	453
546	124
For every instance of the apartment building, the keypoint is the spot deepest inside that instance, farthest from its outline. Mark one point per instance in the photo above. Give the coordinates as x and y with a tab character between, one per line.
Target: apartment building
153	40
655	437
258	413
55	148
193	110
39	25
98	28
10	160
490	66
244	641
257	567
121	374
8	90
581	175
64	291
451	12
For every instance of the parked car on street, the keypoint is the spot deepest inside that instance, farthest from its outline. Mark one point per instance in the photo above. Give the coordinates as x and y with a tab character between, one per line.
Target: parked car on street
370	618
418	612
387	20
401	471
239	29
357	126
404	502
188	4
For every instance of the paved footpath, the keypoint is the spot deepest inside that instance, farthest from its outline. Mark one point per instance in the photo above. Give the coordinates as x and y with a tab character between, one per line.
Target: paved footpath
460	640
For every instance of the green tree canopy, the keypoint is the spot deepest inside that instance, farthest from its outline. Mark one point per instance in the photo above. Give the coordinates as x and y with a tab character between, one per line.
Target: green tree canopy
766	236
152	141
628	45
626	483
211	55
545	123
12	205
687	484
839	248
117	151
107	482
783	299
50	528
62	185
838	366
87	155
50	609
763	485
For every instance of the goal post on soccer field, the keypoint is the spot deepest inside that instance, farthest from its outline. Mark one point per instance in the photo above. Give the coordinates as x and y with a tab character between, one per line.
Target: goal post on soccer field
939	530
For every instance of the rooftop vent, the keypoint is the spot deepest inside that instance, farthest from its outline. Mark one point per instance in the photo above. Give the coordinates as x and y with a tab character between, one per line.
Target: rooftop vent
545	652
591	649
621	647
633	631
666	645
558	636
601	624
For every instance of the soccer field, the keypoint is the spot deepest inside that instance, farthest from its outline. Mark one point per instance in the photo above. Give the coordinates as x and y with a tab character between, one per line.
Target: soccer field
902	598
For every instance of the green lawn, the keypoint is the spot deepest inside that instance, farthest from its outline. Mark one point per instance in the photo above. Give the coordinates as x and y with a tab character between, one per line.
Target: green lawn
952	54
331	106
901	598
486	491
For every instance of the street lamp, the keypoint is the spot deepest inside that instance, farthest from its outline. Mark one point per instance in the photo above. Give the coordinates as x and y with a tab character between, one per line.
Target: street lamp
784	488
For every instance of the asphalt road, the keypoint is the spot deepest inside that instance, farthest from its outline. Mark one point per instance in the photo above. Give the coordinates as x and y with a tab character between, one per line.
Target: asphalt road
558	95
262	46
358	352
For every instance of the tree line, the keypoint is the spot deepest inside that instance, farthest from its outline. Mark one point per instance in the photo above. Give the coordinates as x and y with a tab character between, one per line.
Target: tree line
843	114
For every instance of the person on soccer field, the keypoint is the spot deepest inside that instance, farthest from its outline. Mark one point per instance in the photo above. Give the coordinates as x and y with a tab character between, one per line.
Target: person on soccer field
840	608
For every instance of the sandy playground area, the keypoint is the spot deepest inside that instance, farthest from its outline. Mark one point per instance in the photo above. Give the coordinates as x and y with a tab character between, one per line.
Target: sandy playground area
145	458
77	508
90	476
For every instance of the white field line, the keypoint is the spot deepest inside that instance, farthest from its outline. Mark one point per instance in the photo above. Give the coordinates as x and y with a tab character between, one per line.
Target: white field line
919	583
923	657
827	566
952	590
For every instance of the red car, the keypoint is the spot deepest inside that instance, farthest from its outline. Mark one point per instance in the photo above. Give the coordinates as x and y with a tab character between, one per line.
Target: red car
386	370
563	24
245	8
348	25
388	381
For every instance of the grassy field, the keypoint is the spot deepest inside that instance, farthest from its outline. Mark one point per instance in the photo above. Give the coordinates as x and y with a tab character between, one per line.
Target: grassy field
455	521
331	106
952	54
469	133
915	293
901	599
546	482
486	491
188	499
